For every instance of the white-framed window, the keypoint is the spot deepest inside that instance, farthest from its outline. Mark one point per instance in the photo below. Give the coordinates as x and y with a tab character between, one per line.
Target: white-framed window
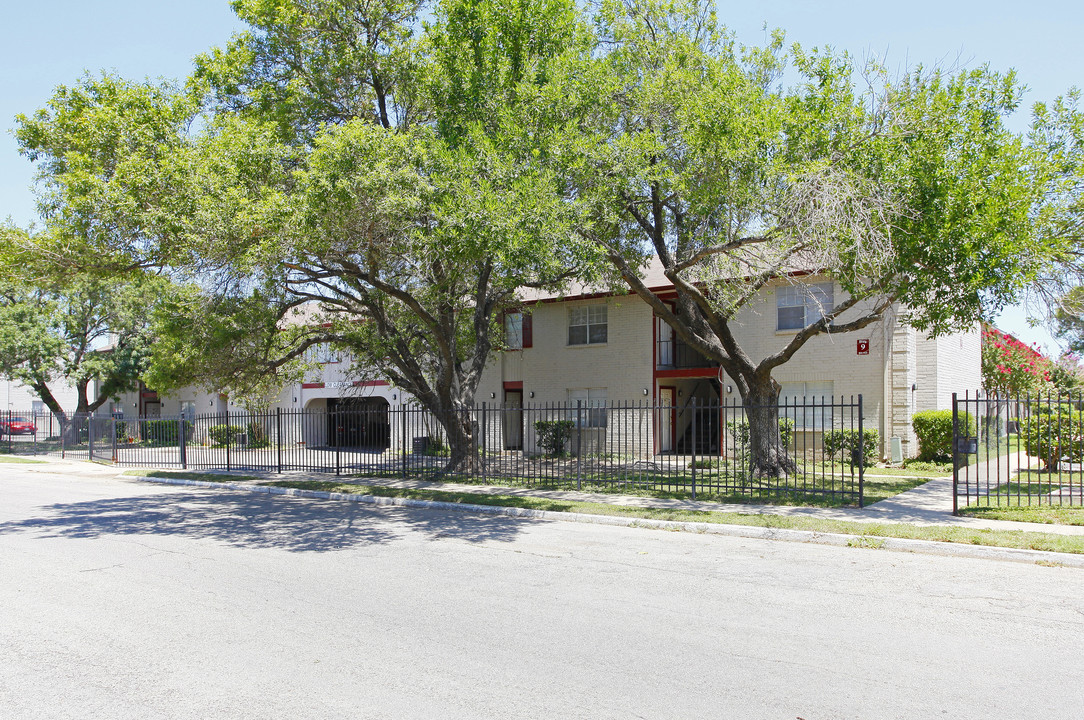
588	405
513	331
324	353
587	325
800	305
37	407
188	410
808	404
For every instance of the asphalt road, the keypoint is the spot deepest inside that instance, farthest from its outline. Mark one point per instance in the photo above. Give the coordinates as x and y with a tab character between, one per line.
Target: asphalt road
121	599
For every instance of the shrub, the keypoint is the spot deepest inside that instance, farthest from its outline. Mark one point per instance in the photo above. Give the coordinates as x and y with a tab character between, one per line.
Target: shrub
435	447
934	431
163	432
224	434
553	435
927	466
845	444
1054	434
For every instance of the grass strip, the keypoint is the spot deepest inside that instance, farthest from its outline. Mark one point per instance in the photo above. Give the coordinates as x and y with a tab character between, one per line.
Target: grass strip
1046	514
877	488
939	533
20	460
190	475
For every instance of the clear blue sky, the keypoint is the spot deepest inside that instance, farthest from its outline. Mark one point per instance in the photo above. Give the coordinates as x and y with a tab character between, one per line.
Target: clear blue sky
48	43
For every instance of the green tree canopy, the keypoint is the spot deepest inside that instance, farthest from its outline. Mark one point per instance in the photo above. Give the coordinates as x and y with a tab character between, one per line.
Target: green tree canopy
742	167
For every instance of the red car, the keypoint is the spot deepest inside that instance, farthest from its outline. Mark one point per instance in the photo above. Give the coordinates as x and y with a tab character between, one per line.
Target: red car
17	426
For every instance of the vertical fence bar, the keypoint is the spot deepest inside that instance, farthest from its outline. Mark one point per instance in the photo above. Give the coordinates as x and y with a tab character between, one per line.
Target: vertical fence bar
579	444
402	438
692	465
955	462
861	456
278	439
336	422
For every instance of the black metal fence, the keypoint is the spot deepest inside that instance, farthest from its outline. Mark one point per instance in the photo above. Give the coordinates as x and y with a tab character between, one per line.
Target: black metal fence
693	449
1018	451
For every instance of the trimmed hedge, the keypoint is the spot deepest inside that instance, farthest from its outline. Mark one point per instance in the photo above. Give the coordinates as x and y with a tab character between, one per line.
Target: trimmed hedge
934	431
163	432
845	444
222	435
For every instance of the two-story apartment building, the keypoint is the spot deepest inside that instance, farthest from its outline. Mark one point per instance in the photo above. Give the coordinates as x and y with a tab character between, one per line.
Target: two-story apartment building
610	348
603	349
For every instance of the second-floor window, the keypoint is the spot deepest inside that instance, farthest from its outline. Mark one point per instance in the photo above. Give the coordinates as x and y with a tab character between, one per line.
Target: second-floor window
513	331
324	353
800	305
587	325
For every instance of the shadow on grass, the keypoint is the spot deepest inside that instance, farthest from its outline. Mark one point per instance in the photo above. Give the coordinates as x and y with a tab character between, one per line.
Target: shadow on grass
248	520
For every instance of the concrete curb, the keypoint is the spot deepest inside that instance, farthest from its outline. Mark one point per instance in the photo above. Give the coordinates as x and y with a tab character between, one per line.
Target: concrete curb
927	547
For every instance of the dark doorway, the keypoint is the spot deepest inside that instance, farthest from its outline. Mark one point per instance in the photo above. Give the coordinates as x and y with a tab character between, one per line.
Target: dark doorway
513	419
358	423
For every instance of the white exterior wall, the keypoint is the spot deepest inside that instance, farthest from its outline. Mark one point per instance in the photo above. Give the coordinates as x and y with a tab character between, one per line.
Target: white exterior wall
824	358
947	365
19	398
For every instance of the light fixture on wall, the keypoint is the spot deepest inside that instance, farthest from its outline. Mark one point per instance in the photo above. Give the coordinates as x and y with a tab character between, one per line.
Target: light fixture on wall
394	396
493	394
295	399
680	393
645	392
211	402
729	389
530	394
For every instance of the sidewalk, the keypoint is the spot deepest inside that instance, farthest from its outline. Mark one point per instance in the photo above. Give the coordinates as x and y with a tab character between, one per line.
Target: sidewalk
928	504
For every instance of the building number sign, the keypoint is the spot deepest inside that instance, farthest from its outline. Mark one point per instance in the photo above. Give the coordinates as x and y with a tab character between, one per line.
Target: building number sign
863	347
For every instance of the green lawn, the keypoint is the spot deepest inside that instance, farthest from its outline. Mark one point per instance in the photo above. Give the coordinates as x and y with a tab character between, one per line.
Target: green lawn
17	459
1047	514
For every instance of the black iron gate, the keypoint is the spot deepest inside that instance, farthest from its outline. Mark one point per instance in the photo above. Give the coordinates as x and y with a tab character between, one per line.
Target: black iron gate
1017	451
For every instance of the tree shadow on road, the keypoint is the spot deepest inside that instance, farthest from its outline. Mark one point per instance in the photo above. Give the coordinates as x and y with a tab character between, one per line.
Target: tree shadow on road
262	521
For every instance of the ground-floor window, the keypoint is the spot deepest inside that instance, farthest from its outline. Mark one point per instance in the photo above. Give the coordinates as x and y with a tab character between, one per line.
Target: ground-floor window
591	403
809	404
188	410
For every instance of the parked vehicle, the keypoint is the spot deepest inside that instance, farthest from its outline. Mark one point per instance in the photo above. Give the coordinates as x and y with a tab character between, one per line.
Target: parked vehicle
17	426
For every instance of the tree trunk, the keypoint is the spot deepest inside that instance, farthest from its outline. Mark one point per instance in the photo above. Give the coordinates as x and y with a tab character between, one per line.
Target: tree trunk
462	434
768	456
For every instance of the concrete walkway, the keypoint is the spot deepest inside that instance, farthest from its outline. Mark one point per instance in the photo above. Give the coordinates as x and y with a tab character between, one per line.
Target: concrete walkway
927	504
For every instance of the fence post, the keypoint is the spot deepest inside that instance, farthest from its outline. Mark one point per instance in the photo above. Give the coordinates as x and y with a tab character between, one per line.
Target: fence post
861	456
278	439
336	418
579	444
113	433
181	442
403	438
229	438
955	463
482	459
693	463
90	438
